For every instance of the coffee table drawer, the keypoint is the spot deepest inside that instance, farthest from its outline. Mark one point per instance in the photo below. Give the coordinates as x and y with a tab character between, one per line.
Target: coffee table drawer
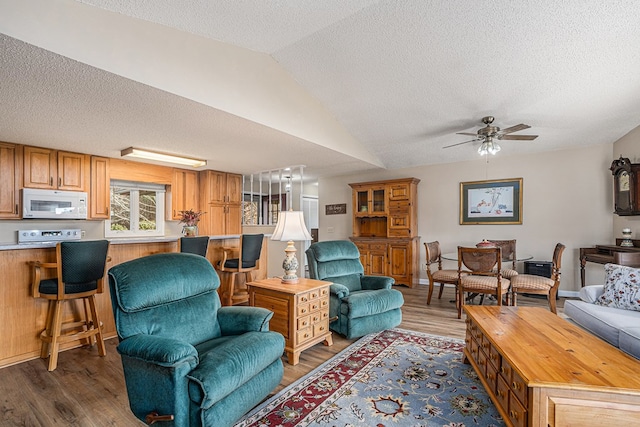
491	376
502	393
517	412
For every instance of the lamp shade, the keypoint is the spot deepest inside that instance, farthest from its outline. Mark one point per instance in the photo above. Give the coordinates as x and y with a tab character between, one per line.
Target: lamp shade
291	226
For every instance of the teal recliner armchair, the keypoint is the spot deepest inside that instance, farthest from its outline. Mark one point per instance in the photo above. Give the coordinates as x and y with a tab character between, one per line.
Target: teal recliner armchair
358	304
184	356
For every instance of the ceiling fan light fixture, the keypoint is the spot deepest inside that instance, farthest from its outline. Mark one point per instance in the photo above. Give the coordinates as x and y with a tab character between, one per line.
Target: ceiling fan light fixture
489	146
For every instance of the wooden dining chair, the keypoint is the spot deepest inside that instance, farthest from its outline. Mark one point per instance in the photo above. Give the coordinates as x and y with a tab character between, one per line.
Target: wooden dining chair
540	285
438	275
509	255
483	268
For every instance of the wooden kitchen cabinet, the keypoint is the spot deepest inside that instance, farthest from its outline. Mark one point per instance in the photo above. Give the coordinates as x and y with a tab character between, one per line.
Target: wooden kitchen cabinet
221	199
55	170
184	192
385	228
300	312
10	179
99	196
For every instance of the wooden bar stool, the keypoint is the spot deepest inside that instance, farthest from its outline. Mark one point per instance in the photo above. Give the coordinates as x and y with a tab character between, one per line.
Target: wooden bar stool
194	245
80	274
248	260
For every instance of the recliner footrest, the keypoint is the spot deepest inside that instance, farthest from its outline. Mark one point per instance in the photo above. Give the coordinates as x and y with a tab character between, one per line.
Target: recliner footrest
367	303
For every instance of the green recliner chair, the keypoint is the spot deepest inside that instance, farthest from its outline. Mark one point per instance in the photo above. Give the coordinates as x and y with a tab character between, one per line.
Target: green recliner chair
187	360
358	304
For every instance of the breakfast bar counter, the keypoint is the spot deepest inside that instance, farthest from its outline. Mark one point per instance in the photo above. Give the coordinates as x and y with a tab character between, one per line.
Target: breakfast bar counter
22	317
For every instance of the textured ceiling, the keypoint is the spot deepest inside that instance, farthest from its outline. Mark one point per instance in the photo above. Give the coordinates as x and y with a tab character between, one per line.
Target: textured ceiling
392	80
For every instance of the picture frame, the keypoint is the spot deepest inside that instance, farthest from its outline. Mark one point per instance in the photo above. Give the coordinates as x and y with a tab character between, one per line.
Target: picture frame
491	202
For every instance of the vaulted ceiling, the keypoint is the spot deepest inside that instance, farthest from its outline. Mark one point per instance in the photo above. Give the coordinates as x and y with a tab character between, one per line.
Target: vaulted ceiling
336	86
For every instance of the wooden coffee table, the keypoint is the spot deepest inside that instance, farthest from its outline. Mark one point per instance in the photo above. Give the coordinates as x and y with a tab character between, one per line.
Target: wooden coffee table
300	311
541	370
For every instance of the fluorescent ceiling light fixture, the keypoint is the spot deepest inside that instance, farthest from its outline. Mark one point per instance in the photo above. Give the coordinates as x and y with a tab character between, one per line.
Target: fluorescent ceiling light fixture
162	157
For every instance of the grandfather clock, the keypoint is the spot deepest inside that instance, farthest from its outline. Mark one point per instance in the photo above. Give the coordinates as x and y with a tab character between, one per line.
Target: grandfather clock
626	186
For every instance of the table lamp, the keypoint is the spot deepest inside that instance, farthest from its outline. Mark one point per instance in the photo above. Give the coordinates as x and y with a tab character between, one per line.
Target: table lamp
290	227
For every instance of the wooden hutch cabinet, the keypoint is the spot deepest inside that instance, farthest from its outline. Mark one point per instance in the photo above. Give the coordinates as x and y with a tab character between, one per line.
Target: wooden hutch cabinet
385	228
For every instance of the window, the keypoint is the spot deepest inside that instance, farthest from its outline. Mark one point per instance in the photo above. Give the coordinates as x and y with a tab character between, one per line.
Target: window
137	209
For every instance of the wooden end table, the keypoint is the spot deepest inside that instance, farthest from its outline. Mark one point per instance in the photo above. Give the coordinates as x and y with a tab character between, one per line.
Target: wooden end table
300	311
541	370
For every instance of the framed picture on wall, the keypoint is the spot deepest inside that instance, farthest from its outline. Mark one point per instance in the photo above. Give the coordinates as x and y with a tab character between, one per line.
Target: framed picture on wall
491	202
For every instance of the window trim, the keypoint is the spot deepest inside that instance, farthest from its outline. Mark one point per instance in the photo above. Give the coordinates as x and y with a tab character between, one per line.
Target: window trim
135	188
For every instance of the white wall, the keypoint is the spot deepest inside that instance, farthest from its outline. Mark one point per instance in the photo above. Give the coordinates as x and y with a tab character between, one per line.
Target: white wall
566	198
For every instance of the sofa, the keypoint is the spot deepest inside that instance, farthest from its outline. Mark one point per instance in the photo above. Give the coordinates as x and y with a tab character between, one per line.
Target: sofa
611	311
358	304
188	361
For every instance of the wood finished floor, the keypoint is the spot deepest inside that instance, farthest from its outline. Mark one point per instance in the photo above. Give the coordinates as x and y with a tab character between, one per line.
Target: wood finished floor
88	390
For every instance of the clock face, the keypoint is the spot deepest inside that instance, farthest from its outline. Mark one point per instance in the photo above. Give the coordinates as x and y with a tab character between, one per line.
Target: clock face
623	181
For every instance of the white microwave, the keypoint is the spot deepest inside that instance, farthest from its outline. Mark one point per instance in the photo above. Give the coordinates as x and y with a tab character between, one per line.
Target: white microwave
53	204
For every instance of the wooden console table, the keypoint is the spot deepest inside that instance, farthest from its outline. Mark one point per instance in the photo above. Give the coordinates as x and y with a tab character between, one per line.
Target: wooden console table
541	370
603	254
300	312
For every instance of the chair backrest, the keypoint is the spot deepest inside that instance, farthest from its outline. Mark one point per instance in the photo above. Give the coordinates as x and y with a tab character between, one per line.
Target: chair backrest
82	262
195	245
171	295
250	249
508	250
557	260
433	252
336	261
483	261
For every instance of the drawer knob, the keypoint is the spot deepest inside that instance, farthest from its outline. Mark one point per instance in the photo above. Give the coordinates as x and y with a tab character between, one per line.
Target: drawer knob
514	414
515	385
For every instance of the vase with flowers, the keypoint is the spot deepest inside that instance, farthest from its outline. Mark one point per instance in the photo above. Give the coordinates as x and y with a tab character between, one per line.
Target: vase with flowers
190	219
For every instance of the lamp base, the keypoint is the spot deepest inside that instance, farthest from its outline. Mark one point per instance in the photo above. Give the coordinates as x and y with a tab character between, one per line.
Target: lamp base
290	265
289	280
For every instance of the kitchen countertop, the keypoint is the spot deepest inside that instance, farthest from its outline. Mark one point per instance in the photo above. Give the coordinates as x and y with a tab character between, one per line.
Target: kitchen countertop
114	241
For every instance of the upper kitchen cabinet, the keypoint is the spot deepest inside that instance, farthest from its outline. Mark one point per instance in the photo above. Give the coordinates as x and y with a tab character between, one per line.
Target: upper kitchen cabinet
221	187
221	198
99	196
52	169
10	179
184	192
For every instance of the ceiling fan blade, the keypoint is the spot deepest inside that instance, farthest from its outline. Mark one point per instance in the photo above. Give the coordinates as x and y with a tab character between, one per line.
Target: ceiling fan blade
466	133
519	137
465	142
515	128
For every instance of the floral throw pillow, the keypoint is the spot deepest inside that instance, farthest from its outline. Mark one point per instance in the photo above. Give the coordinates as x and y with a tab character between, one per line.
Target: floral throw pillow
621	288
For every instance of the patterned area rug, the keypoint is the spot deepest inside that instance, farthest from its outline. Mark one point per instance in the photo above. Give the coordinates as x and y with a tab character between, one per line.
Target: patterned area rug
392	378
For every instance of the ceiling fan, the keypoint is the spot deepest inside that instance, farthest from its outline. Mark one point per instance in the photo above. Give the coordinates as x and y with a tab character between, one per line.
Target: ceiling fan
490	134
